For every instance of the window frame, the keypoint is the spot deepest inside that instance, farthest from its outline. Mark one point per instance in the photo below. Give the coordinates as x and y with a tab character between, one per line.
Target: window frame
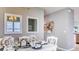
5	23
37	24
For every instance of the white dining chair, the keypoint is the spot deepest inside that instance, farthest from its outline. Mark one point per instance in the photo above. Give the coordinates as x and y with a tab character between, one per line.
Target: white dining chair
51	44
24	37
1	45
35	42
24	41
8	43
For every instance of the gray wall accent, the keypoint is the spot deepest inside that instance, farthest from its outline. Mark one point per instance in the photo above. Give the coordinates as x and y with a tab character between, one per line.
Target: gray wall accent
25	12
63	28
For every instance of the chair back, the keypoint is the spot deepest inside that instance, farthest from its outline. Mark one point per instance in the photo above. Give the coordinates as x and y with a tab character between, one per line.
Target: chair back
9	40
52	40
8	43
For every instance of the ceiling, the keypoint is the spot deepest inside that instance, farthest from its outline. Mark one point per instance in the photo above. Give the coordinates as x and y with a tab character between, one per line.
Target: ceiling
49	10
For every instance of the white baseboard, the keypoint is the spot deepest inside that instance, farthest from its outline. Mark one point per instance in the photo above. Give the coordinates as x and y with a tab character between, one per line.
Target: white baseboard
62	49
72	48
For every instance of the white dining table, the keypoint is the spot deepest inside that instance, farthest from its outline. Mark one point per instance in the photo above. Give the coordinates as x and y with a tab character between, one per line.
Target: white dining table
44	48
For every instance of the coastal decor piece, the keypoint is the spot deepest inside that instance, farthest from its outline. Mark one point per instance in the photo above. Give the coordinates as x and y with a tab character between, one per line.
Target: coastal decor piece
48	27
12	24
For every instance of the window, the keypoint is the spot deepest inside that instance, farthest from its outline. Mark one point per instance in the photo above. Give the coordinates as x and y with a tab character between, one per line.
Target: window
76	28
13	24
32	25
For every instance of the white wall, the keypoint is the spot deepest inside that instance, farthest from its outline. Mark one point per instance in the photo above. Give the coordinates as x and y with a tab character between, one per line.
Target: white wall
63	28
76	15
25	12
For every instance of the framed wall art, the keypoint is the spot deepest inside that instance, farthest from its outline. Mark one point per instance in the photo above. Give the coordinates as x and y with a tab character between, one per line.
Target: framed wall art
48	27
